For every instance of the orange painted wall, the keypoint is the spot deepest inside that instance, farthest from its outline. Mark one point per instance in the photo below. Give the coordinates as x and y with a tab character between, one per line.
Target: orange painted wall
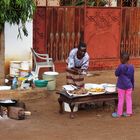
102	33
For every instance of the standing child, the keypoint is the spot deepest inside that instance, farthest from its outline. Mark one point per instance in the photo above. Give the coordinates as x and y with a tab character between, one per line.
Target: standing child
125	85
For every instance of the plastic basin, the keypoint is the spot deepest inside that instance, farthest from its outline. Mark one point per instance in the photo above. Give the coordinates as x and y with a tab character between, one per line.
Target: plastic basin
41	83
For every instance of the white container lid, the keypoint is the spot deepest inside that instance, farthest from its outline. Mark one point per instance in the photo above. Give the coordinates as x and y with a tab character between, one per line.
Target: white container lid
5	87
51	73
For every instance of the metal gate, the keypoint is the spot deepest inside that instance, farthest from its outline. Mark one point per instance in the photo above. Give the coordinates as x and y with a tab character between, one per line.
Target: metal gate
58	29
130	31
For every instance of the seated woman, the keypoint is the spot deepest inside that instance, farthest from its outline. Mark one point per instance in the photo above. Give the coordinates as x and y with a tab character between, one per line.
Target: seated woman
78	63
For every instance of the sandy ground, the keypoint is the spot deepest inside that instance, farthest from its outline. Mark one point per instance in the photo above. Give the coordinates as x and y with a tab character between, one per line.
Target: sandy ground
46	123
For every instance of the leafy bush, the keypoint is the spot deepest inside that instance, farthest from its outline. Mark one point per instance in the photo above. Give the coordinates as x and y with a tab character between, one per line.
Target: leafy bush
88	3
16	12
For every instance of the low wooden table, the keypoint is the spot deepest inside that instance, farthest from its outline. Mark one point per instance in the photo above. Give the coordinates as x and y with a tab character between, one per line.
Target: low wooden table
72	100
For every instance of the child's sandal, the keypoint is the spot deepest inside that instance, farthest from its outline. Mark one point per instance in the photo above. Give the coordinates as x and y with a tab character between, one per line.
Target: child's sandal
127	115
115	115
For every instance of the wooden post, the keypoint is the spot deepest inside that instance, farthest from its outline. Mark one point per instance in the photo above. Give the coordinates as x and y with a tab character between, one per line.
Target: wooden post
85	19
2	57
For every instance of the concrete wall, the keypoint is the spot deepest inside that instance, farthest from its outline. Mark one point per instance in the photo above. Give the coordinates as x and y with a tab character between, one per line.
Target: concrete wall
17	49
49	2
41	2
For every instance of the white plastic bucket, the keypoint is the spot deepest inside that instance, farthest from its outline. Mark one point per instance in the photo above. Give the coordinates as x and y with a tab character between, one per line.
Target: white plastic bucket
67	107
14	68
25	65
51	77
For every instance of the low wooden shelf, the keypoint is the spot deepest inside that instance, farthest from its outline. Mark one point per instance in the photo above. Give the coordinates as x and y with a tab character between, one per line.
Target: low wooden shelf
72	100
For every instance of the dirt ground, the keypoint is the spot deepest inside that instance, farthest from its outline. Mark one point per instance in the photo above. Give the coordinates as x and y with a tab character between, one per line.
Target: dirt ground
46	123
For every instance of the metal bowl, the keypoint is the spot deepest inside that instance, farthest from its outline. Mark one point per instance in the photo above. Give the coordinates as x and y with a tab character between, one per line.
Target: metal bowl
110	88
8	102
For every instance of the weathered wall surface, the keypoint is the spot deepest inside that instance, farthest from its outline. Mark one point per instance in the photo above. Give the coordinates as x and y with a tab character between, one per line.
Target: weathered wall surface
17	49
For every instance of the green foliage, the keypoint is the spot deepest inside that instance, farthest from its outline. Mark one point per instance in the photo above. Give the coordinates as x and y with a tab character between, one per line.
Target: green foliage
88	3
16	12
79	2
91	3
